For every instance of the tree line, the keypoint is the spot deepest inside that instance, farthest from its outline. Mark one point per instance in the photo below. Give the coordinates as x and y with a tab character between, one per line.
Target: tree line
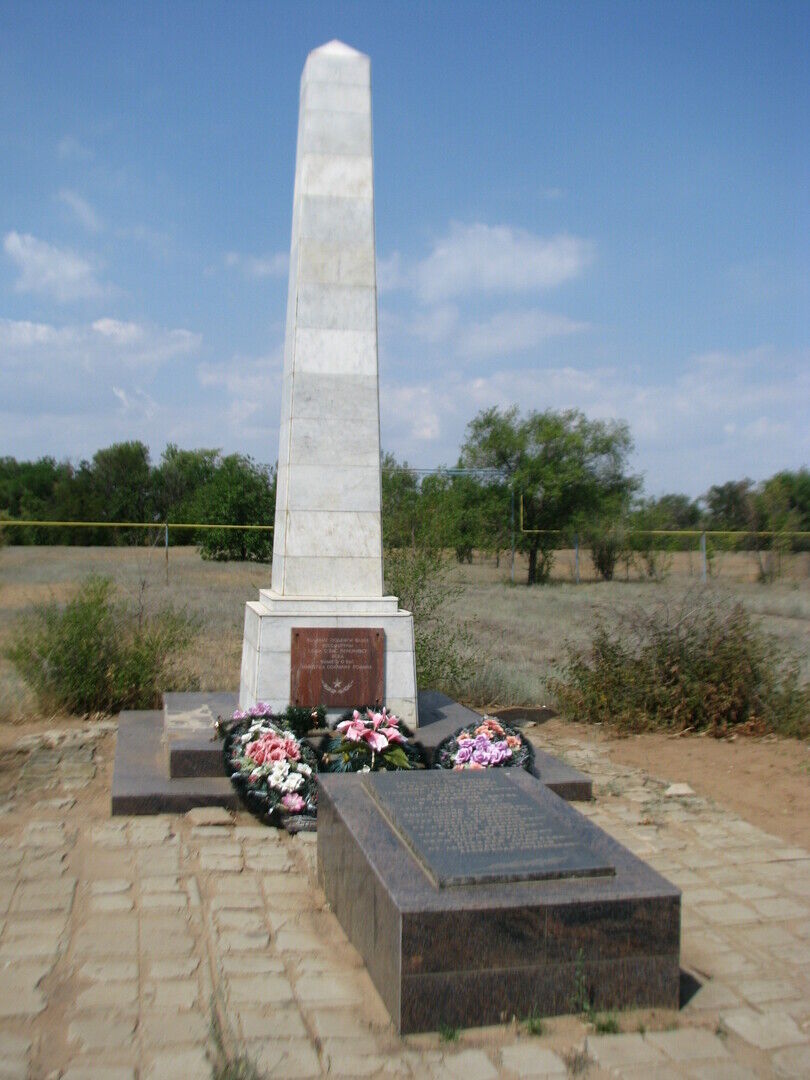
568	474
120	483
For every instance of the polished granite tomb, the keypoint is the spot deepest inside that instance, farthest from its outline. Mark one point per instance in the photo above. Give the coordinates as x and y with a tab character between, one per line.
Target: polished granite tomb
477	896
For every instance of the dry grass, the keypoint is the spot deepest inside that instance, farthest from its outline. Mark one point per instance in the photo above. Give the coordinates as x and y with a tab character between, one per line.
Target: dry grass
518	633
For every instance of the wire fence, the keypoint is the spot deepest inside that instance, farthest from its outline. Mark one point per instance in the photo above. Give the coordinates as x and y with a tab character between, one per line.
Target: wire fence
162	528
762	554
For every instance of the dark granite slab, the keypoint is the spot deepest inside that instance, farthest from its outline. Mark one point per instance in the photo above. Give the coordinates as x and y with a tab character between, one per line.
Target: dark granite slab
480	953
192	748
440	716
457	839
141	784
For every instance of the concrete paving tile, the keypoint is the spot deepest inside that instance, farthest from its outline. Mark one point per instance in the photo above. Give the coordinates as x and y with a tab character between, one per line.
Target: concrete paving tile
714	994
102	904
722	1070
45	894
94	1071
164	902
173	968
100	1031
769	934
250	964
159	943
112	995
688	1044
259	989
20	995
348	1063
171	994
159	883
465	1065
162	1029
797	955
108	971
276	1022
758	991
750	890
731	913
648	1072
793	1062
286	1058
110	886
339	990
527	1058
236	942
210	815
289	939
210	861
766	1030
191	1064
612	1051
781	907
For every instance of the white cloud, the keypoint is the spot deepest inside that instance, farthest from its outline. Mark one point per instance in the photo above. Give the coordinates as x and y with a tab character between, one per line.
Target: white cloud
275	264
82	210
436	324
252	384
135	403
52	271
483	258
21	335
722	415
60	359
391	273
510	332
411	412
505	333
70	149
124	333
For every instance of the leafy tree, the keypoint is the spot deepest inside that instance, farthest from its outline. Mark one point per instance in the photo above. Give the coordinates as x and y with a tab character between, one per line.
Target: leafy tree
667	512
731	506
177	479
240	492
567	467
121	476
400	500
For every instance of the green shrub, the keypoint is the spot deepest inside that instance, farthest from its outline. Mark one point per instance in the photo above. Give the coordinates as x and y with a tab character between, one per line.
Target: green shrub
700	665
609	544
421	578
97	654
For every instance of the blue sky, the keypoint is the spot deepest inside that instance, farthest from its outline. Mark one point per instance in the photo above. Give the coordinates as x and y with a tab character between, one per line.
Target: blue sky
601	206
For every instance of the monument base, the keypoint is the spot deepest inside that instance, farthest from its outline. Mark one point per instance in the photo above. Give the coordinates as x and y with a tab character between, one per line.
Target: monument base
170	761
266	648
507	903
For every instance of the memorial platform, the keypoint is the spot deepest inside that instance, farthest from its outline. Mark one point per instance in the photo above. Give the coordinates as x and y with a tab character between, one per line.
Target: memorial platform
474	897
170	761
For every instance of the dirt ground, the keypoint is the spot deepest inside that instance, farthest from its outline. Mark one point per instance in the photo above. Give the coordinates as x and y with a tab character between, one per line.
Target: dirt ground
764	780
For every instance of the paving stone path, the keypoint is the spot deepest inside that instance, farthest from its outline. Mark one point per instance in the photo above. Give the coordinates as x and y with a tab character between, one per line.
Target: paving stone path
117	934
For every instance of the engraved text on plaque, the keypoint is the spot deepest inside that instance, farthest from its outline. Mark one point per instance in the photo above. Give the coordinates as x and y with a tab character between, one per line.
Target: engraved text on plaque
468	827
337	667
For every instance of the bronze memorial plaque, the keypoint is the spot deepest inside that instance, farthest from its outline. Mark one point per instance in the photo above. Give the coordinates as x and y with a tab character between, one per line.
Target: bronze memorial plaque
475	828
335	667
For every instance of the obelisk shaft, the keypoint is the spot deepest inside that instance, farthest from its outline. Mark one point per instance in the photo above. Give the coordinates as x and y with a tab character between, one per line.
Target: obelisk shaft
328	532
327	545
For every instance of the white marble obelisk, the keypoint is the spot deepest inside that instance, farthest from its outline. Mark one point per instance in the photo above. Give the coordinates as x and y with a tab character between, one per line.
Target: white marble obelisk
327	543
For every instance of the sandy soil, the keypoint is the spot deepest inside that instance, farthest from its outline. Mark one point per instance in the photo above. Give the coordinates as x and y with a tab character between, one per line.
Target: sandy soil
765	780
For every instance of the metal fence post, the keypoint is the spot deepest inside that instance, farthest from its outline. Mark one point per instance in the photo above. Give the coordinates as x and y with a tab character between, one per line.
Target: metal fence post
166	546
704	571
576	557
